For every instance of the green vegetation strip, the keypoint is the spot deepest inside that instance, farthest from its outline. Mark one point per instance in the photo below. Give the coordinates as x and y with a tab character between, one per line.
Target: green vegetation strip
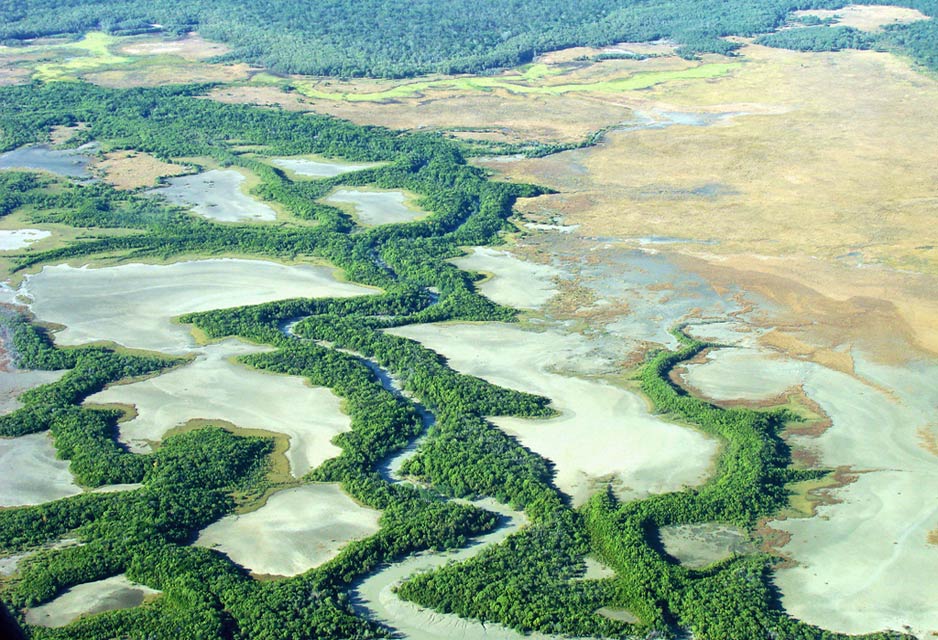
195	478
636	81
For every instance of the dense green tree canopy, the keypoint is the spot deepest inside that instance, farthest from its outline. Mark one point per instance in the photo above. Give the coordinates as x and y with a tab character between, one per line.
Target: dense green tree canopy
405	37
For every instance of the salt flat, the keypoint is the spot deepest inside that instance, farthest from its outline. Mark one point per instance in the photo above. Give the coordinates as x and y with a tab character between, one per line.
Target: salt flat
13	239
13	383
513	282
309	168
864	562
604	433
31	472
375	595
298	529
92	597
216	194
132	304
377	207
215	387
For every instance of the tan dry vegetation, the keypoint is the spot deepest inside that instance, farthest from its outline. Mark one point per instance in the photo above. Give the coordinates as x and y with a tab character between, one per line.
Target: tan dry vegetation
517	117
928	438
13	75
263	96
190	47
933	539
15	65
867	17
822	306
61	134
838	159
134	169
162	74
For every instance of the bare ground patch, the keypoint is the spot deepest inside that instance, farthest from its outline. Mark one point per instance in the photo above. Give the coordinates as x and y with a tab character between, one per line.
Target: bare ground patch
871	17
13	75
162	74
134	169
262	96
834	225
928	438
191	47
61	134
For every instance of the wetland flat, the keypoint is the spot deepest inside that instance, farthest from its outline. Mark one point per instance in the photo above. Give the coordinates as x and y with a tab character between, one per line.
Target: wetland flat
13	239
604	434
310	168
70	163
862	560
296	530
375	595
512	282
13	383
214	387
133	304
92	597
216	194
372	208
32	472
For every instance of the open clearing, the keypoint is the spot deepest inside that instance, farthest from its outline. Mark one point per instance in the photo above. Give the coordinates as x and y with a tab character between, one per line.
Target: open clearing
512	282
700	545
91	52
296	530
213	387
512	82
133	304
31	472
134	169
834	225
372	207
190	47
216	194
92	597
153	74
119	61
604	435
865	17
552	101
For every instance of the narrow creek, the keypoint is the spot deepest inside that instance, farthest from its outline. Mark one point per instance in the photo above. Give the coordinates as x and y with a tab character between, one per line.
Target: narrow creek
375	596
